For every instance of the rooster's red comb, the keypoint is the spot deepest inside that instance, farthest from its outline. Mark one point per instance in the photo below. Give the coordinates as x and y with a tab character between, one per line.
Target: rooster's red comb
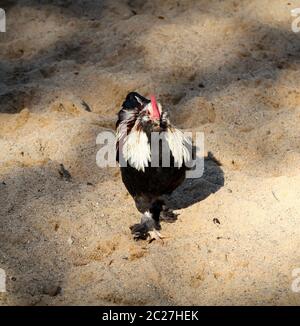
155	110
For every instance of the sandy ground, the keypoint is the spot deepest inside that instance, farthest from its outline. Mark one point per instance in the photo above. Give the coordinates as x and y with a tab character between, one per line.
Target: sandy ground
228	68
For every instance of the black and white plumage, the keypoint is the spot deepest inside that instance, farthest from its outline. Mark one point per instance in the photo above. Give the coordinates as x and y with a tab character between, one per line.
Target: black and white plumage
137	119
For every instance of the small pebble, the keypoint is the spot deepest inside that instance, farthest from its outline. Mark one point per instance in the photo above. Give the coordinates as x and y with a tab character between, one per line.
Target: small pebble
216	221
52	290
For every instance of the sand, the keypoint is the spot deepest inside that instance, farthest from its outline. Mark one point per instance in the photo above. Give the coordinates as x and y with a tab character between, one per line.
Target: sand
230	69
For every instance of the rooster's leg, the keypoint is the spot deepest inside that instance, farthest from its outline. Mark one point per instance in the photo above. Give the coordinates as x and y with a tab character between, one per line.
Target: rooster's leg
149	226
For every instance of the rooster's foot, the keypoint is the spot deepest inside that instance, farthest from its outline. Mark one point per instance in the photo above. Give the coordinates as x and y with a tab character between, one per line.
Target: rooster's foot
139	231
167	215
154	235
147	228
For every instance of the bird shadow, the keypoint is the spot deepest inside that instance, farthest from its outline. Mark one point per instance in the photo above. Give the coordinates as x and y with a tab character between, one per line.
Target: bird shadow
192	191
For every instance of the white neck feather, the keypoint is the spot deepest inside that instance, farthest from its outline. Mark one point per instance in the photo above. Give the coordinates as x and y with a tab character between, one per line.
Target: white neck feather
180	146
137	150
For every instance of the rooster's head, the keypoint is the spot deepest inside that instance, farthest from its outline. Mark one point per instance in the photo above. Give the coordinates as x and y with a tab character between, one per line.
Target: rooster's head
140	112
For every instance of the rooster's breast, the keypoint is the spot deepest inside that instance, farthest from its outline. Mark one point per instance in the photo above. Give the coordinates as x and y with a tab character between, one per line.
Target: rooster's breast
154	181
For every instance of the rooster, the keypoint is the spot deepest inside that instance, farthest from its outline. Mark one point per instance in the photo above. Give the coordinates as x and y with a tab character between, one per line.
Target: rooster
138	118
